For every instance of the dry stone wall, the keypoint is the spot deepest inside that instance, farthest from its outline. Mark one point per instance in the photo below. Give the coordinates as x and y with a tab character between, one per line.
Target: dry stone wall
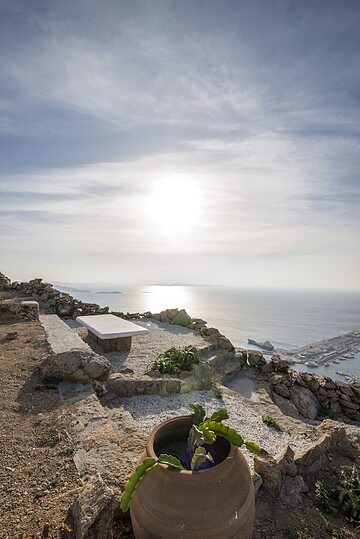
312	394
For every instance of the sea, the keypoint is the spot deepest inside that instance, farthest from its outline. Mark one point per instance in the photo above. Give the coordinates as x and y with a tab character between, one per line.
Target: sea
288	319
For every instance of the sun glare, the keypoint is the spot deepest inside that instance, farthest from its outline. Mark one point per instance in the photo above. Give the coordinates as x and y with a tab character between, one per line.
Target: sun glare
174	206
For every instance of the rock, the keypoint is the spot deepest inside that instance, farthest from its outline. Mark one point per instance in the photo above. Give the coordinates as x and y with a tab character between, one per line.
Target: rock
76	365
305	401
286	462
348	404
268	367
331	437
257	481
311	381
93	510
11	336
164	317
335	407
266	466
278	379
224	343
292	489
181	318
171	313
282	390
286	406
344	388
280	365
256	359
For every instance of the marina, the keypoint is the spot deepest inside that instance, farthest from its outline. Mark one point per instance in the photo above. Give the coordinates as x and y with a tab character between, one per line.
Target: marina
325	356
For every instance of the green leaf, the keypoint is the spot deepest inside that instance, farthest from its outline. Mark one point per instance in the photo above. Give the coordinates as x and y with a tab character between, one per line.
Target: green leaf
209	436
134	482
199	412
171	461
199	457
226	432
220	415
253	447
196	435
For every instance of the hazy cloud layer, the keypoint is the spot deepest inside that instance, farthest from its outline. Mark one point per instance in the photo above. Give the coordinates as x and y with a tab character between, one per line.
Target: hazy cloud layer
251	107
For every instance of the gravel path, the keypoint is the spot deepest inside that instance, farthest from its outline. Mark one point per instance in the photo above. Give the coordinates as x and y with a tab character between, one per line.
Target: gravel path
145	348
149	410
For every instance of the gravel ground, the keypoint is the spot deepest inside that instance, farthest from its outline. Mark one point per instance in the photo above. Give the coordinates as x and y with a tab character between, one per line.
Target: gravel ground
145	348
150	410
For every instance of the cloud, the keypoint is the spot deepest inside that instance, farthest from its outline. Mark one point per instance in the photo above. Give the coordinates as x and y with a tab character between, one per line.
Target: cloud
255	105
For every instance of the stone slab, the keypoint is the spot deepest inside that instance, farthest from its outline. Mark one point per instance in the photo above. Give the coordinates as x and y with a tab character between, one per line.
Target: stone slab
59	336
109	326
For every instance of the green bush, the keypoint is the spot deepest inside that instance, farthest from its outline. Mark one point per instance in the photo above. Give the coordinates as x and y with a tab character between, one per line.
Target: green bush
271	422
322	497
175	360
349	492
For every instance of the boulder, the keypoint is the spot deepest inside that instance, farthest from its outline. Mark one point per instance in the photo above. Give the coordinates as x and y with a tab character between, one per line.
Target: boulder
330	437
311	381
286	406
171	313
164	317
256	359
181	318
93	510
292	489
286	462
280	365
76	365
282	390
266	466
305	401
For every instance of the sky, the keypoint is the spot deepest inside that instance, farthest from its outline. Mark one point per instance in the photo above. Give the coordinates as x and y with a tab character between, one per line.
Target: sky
197	142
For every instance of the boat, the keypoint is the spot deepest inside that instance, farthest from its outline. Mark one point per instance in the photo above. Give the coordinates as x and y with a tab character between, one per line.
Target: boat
342	373
265	345
327	365
311	364
336	361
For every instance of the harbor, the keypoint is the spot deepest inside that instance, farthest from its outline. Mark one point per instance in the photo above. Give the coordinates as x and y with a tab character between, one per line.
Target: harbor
337	357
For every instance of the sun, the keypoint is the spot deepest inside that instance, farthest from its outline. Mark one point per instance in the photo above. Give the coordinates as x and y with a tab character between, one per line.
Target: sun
174	205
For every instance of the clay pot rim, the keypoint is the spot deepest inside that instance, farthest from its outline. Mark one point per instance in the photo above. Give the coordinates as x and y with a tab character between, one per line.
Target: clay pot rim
151	453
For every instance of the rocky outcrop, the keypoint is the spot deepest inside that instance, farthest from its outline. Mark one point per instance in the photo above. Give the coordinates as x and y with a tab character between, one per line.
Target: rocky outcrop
76	365
284	475
93	510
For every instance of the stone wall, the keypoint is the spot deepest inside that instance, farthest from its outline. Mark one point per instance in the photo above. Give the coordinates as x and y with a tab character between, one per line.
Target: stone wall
27	311
307	394
53	301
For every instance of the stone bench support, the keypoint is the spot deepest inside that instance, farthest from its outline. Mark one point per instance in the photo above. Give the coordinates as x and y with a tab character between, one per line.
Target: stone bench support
118	344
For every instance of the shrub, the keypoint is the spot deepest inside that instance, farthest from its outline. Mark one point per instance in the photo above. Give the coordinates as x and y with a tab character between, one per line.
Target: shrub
349	492
271	422
175	360
322	497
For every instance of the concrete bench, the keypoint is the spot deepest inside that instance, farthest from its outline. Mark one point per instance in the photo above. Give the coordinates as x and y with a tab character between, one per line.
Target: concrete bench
111	332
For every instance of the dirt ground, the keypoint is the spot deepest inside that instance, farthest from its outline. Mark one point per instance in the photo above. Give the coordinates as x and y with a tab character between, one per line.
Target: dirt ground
38	479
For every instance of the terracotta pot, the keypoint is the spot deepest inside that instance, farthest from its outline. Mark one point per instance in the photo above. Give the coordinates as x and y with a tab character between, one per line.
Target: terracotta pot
217	503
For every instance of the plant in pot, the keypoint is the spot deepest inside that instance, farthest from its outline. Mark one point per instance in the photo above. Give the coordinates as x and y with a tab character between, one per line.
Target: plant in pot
192	481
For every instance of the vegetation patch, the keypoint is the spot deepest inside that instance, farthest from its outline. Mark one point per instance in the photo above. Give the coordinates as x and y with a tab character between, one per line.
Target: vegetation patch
175	360
271	422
